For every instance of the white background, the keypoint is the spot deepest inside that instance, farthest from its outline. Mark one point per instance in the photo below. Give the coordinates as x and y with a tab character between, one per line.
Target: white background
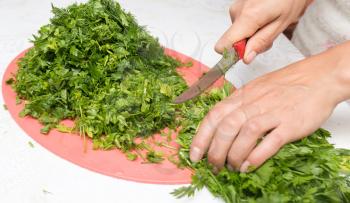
189	26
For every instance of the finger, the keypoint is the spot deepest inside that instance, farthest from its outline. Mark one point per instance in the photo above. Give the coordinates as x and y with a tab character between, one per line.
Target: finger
266	149
248	137
244	26
226	133
262	40
223	138
235	10
236	32
203	137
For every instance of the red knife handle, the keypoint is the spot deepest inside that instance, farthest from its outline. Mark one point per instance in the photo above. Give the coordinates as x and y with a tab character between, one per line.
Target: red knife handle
240	47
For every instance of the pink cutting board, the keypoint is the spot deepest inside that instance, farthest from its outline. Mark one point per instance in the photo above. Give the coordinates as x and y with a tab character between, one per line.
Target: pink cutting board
113	162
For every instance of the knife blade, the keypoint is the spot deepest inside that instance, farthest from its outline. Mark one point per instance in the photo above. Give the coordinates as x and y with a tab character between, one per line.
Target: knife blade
226	62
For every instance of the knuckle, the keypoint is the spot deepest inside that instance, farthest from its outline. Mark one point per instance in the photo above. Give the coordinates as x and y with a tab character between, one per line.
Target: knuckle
223	132
252	16
229	122
213	115
214	158
198	143
263	43
269	46
225	129
253	127
279	140
240	115
232	9
255	159
218	48
217	111
234	161
248	13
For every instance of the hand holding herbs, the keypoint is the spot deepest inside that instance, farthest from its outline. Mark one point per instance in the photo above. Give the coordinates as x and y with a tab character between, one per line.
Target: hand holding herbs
250	126
95	65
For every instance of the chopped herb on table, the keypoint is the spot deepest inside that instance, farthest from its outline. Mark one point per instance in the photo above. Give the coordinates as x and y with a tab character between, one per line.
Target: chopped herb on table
131	156
31	144
95	65
154	156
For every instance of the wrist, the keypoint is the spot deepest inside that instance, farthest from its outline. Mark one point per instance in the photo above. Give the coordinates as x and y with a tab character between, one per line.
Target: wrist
338	61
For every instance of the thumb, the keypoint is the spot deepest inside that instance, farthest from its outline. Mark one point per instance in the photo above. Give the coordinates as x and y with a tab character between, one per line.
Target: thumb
262	41
240	29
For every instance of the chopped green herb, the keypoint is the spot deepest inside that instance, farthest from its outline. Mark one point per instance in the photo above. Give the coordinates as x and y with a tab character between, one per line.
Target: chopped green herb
175	160
225	54
131	156
169	134
140	155
30	144
154	156
64	129
10	81
5	106
94	64
188	64
46	192
162	144
18	100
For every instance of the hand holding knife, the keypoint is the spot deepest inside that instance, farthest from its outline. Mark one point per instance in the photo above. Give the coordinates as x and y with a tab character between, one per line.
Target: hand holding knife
231	57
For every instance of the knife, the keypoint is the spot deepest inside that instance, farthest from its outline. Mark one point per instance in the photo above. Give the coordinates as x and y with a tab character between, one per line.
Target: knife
226	62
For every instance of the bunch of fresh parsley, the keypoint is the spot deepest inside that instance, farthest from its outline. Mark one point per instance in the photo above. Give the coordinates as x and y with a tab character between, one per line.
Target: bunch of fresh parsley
95	65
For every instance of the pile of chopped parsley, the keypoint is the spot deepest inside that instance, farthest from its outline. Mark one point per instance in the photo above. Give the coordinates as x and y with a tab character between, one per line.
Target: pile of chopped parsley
95	65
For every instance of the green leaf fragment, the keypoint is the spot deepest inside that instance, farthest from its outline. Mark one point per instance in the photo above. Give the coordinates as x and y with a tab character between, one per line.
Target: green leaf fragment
154	156
18	100
64	129
131	156
10	81
31	144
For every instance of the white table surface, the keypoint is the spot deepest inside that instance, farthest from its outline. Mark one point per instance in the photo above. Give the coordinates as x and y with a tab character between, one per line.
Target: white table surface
190	26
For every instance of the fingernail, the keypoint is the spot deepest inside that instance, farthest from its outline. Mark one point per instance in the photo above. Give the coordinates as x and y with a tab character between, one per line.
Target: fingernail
244	167
196	154
250	57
